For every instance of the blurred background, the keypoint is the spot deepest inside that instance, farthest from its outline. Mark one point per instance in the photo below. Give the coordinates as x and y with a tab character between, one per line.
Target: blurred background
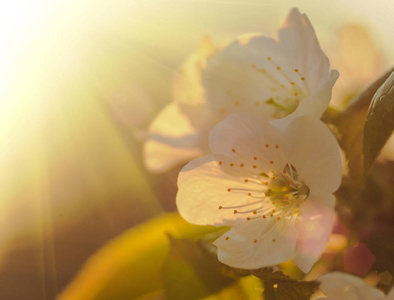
80	82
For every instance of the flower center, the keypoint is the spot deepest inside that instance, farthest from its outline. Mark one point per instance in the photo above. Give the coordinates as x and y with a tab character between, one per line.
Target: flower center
274	85
276	194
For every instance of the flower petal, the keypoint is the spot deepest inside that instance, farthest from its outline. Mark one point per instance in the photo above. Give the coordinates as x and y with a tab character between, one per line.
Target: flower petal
257	243
314	225
342	286
240	78
246	137
314	152
203	187
172	140
300	43
317	102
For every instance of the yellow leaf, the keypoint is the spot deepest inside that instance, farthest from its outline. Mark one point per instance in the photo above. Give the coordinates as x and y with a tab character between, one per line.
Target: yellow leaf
129	266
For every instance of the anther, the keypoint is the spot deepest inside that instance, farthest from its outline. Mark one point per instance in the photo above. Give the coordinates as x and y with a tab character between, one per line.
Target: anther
266	145
249	194
236	103
296	70
255	158
274	240
246	180
231	165
255	212
228	190
248	219
235	211
255	241
254	166
278	218
220	207
264	217
227	238
271	162
241	165
233	150
253	66
220	163
278	68
276	146
302	78
292	83
268	58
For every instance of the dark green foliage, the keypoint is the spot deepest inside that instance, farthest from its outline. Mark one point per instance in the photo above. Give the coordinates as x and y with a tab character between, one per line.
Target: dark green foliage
380	121
278	286
350	125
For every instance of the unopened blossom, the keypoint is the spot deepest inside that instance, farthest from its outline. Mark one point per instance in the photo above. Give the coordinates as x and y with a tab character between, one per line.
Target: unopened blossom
269	77
272	183
342	286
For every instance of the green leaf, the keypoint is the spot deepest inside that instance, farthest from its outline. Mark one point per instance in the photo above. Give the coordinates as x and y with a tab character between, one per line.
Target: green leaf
191	272
129	266
380	121
350	125
278	286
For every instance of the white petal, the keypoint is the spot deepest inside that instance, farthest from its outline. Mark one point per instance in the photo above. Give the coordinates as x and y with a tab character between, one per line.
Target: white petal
172	140
314	225
232	79
317	102
300	43
314	152
203	187
249	139
257	243
342	286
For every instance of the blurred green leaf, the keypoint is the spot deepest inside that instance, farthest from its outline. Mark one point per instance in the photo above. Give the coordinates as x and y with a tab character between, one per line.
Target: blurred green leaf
129	266
350	125
191	272
278	286
380	121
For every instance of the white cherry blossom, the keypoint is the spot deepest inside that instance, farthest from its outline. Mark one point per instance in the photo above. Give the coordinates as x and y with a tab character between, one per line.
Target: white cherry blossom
342	286
272	182
255	73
